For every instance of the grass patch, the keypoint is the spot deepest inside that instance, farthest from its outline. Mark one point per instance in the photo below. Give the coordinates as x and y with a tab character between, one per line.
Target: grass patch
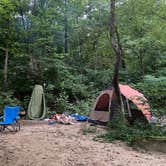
88	129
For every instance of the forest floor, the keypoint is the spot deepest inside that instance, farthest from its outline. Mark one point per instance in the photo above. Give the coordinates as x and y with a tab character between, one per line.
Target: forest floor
66	145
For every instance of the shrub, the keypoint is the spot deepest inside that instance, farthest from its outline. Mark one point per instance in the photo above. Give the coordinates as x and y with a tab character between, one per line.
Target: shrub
155	90
7	98
129	134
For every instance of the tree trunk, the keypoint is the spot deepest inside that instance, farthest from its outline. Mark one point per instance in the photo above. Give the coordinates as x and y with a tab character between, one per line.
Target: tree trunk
66	29
115	42
6	66
141	63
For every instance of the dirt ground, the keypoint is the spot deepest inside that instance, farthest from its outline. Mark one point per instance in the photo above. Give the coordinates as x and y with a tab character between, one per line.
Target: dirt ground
66	145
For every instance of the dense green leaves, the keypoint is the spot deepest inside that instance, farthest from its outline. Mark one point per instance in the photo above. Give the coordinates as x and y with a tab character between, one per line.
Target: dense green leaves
155	89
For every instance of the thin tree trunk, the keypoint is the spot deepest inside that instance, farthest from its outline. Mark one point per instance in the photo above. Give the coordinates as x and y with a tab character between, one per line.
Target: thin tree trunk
128	108
141	64
115	42
6	54
66	29
22	18
6	66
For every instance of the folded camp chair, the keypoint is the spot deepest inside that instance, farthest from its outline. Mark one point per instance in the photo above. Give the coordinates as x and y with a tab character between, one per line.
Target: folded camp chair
9	120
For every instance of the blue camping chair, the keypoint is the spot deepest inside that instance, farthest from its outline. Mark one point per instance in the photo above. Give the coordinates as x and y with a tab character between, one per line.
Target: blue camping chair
9	120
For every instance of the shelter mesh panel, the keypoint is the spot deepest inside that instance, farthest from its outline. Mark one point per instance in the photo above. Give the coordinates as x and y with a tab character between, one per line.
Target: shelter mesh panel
103	103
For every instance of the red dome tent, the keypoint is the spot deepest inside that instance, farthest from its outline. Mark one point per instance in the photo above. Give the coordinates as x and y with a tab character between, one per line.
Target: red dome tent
105	104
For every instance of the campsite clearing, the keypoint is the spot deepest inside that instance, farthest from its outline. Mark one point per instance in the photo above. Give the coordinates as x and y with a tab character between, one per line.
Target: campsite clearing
41	144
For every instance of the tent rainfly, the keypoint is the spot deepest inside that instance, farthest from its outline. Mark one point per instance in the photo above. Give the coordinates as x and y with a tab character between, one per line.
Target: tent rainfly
105	104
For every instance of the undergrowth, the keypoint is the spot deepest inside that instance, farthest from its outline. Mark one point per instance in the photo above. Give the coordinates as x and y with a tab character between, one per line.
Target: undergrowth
129	133
88	129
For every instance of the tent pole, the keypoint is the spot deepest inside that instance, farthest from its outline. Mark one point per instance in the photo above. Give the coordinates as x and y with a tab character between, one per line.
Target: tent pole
128	108
122	103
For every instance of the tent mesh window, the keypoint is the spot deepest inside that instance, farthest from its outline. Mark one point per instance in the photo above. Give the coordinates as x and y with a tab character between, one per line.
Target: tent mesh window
125	106
103	103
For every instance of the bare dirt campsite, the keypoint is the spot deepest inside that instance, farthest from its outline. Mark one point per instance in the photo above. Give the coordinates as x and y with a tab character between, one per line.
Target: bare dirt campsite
40	144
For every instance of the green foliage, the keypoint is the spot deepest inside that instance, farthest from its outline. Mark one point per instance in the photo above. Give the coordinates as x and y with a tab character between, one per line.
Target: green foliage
7	99
129	134
118	121
142	37
86	129
61	103
82	107
99	78
155	89
65	91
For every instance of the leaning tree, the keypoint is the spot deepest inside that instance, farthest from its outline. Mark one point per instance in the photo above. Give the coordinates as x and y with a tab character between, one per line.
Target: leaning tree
117	48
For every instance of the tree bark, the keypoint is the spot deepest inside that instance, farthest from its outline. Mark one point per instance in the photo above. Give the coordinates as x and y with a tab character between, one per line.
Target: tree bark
115	42
66	29
141	64
6	49
6	66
